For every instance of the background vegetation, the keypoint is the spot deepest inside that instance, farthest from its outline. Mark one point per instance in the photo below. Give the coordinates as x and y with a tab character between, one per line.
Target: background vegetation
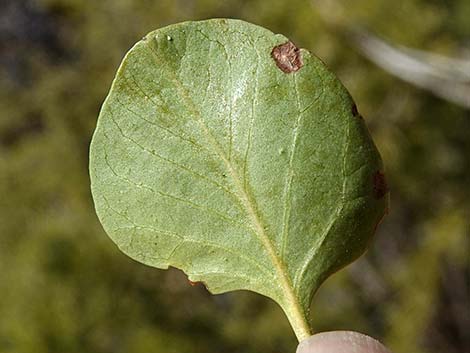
64	287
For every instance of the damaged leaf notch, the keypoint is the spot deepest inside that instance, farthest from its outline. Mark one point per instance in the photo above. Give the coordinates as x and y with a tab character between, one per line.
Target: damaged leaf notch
287	57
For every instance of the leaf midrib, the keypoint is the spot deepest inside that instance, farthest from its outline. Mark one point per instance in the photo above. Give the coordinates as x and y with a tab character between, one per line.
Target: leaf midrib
291	303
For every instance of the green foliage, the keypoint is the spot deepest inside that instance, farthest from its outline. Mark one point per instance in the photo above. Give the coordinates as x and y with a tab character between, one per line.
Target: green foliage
65	288
210	158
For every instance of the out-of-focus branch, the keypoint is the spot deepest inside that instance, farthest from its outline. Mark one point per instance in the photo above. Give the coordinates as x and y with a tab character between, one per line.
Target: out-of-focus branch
445	77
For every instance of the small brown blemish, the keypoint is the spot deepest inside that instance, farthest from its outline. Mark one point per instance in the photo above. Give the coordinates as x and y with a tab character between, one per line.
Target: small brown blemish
354	110
193	284
380	185
197	284
287	57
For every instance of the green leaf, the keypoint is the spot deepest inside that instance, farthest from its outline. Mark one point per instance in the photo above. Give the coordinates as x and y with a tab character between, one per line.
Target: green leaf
225	151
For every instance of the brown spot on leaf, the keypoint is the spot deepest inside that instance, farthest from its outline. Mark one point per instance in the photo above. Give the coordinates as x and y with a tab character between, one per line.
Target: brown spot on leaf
380	185
287	57
197	284
354	110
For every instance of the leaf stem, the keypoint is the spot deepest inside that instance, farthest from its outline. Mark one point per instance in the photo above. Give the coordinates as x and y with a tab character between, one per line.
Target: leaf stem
299	321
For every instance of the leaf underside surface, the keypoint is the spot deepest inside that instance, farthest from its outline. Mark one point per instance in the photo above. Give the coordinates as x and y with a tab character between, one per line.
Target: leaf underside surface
225	151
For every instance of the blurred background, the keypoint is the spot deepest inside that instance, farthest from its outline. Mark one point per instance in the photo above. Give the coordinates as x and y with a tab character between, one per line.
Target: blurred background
64	286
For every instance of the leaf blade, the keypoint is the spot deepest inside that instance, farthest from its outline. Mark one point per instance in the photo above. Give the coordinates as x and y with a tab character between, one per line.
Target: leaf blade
185	150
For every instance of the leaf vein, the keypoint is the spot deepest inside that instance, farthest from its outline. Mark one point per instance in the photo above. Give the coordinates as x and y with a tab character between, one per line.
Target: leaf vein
180	136
311	254
290	176
186	239
290	300
176	198
176	164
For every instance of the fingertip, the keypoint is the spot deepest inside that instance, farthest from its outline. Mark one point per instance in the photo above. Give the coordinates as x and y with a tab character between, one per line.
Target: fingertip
341	342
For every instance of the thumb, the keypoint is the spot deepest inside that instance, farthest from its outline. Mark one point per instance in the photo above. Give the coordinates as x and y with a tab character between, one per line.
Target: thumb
341	342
